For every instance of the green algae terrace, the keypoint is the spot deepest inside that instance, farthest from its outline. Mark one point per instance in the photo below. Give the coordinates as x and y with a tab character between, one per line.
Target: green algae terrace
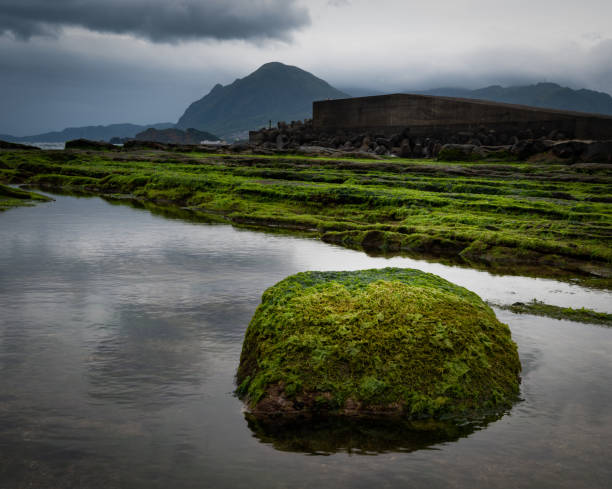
530	218
538	308
14	197
385	341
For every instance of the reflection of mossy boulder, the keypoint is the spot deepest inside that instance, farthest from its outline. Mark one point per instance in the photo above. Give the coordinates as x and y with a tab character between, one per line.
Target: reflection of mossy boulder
331	434
372	342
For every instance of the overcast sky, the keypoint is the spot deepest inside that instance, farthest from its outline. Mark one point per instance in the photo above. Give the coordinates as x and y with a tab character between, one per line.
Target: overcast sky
80	62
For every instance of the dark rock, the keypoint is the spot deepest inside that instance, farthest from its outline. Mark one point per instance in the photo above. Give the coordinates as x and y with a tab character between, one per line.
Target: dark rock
436	150
281	141
384	142
7	145
135	144
239	147
175	136
456	152
492	153
488	140
569	150
597	152
396	139
405	150
526	148
87	144
257	137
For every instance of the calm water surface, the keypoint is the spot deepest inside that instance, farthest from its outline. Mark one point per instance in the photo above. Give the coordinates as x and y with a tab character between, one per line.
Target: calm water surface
120	333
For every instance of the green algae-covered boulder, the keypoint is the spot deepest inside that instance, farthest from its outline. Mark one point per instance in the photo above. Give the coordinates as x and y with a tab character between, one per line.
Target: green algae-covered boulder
376	342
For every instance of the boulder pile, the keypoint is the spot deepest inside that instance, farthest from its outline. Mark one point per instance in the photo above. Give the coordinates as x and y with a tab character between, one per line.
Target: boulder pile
483	143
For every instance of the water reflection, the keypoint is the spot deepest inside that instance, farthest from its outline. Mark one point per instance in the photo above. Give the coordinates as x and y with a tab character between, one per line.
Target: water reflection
146	359
326	436
120	334
537	269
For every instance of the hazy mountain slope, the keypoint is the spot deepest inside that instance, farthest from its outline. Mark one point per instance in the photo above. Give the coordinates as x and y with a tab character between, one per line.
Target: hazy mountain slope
94	133
549	95
275	92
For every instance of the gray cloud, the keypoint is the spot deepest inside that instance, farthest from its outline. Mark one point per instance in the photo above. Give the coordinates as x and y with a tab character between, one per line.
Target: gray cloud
83	77
44	89
157	20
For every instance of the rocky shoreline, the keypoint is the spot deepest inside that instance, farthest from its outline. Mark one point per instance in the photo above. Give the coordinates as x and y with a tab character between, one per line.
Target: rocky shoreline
298	138
481	143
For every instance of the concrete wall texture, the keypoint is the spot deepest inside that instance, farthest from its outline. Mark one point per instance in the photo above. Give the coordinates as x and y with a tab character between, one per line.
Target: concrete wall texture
431	116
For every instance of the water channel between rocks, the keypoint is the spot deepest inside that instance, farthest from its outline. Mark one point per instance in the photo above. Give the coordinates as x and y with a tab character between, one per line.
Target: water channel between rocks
120	334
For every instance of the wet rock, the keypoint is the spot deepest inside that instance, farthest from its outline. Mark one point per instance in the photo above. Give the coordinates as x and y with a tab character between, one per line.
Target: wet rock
375	342
456	152
8	145
597	152
87	144
239	147
405	150
527	148
135	144
384	142
281	141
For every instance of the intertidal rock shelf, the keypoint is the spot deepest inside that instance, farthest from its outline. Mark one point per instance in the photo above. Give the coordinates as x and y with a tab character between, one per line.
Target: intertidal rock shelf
383	342
13	197
537	219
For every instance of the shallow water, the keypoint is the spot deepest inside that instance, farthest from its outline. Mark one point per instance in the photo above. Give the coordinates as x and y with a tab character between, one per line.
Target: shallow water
46	146
120	333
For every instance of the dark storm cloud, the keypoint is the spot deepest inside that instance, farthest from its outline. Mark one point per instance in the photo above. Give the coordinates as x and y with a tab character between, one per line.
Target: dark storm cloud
44	89
158	20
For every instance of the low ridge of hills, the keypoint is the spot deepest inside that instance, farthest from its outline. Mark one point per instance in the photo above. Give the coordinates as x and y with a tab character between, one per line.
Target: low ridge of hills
545	95
274	92
278	92
93	133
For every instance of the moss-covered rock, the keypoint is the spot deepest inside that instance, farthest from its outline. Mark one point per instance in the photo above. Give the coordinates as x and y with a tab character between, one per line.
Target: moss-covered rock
376	342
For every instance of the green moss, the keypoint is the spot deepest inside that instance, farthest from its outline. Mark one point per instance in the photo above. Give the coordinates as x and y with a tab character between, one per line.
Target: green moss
543	220
13	197
456	154
581	315
394	341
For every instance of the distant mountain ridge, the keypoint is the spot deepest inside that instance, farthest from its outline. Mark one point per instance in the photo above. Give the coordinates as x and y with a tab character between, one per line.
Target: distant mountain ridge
274	92
93	133
278	92
545	95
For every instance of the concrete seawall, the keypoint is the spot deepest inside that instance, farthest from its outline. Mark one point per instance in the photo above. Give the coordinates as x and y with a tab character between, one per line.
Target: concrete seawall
437	117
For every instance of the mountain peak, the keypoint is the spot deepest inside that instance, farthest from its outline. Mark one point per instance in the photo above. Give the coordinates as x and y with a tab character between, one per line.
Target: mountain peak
273	65
274	92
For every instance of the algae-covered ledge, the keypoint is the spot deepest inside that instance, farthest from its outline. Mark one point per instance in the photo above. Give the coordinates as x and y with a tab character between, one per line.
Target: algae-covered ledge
376	342
13	197
534	219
